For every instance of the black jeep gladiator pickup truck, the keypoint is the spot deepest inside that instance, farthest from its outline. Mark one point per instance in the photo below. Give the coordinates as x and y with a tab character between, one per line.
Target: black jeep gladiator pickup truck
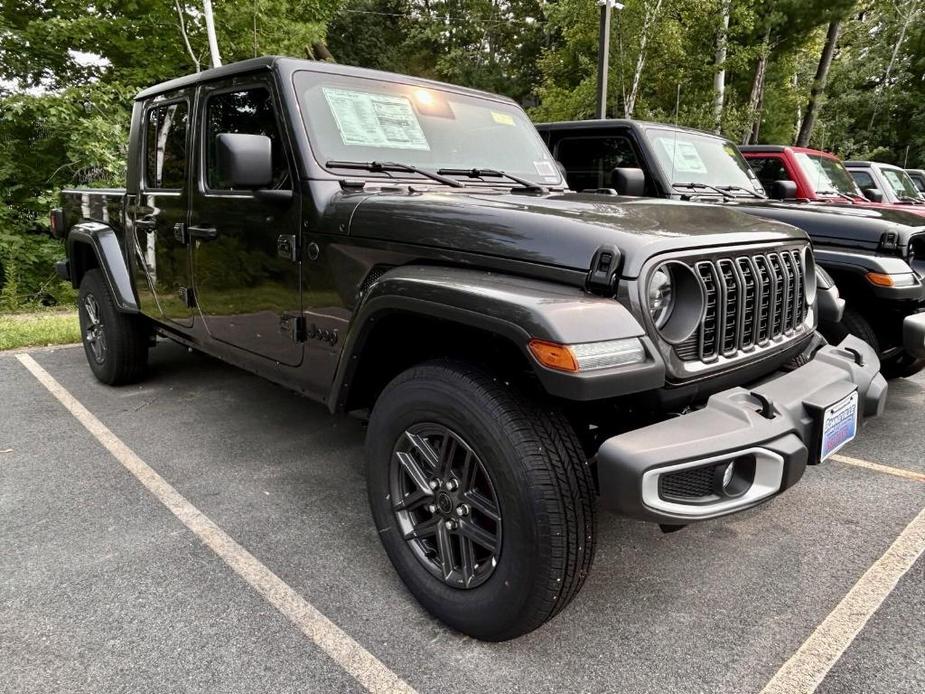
408	249
875	257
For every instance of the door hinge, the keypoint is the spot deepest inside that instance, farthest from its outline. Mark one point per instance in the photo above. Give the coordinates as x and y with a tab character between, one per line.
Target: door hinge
293	326
287	247
179	232
187	297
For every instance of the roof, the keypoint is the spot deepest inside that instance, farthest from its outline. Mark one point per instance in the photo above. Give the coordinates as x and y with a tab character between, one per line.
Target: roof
762	148
624	122
289	65
871	164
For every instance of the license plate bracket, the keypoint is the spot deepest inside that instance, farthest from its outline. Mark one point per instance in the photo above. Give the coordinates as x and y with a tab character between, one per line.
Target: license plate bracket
838	425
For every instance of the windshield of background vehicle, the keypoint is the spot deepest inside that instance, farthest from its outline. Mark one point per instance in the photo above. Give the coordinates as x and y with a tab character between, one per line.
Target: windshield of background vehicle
357	119
901	184
691	158
827	176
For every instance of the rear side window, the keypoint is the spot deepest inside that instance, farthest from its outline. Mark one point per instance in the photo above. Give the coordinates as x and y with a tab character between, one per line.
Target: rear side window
251	112
589	160
165	146
864	180
768	170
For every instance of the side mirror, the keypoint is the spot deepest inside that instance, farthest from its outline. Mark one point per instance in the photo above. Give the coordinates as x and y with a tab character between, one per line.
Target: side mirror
628	181
244	161
783	190
873	194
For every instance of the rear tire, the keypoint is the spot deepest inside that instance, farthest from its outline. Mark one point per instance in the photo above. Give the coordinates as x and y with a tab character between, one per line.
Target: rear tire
116	344
535	472
901	366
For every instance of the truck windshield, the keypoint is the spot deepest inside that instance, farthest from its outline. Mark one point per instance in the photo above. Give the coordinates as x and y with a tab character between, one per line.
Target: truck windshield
827	176
902	185
686	157
351	119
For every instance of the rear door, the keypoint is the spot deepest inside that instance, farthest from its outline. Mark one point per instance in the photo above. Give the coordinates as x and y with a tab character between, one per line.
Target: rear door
244	244
160	211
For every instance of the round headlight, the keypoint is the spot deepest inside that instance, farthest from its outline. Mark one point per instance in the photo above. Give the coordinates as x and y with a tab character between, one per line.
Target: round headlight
661	296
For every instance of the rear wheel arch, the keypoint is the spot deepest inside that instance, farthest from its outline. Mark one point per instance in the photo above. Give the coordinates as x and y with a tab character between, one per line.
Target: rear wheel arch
94	245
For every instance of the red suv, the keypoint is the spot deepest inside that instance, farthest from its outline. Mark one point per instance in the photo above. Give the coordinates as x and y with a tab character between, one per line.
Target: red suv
818	176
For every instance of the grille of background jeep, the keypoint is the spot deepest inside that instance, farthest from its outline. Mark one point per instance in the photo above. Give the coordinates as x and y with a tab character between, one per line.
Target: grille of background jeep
752	300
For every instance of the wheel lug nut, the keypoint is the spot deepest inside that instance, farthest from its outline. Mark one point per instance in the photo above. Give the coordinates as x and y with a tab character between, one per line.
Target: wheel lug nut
432	508
451	485
450	525
434	484
462	510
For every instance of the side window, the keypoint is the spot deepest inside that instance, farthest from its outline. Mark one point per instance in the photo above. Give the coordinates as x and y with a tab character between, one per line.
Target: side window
768	170
165	146
249	111
589	160
864	180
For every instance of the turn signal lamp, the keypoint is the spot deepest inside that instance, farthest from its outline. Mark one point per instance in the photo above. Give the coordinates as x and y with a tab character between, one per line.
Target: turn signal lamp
588	356
906	279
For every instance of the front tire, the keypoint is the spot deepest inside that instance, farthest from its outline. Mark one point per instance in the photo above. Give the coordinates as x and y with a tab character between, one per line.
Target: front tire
116	344
483	500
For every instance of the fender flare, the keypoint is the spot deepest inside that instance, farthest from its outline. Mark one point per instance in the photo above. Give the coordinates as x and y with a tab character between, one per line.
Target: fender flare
516	308
109	257
858	264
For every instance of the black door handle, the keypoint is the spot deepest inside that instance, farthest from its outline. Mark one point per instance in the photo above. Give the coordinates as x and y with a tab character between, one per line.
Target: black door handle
145	223
202	233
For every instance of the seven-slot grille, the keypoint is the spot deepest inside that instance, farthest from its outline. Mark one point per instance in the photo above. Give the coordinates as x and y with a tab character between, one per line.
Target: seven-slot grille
751	301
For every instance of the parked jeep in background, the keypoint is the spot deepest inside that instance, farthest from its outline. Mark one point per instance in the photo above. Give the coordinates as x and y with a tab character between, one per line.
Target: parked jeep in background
917	176
819	176
885	183
875	256
408	250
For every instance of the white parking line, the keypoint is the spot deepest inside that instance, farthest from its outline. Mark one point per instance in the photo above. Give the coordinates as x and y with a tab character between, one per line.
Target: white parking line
877	467
810	664
368	670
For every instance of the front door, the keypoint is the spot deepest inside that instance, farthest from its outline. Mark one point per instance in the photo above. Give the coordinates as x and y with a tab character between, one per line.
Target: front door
244	243
159	212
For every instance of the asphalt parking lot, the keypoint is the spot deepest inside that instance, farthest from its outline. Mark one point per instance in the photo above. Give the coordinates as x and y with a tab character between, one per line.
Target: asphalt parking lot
103	589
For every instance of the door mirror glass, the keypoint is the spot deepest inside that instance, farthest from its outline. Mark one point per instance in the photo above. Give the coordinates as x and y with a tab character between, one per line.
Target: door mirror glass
628	181
783	190
244	161
873	194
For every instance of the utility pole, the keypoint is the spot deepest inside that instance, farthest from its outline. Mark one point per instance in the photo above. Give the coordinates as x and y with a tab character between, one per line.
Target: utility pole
210	31
603	54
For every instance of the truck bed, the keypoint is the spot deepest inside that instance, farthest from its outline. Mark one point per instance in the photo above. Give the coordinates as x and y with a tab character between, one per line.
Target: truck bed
106	205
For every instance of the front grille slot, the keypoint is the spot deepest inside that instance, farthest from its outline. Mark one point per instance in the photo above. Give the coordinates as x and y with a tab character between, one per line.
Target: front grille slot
751	302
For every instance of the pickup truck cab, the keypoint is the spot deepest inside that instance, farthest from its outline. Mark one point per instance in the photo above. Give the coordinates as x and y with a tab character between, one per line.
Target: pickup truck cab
875	256
408	251
886	183
819	176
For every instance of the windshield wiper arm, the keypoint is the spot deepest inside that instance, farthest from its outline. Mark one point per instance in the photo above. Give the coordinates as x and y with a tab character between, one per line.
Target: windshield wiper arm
704	186
387	166
753	193
481	173
911	200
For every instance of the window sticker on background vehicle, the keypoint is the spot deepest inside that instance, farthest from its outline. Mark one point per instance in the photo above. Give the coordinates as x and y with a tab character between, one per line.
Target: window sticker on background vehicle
545	168
685	155
375	120
502	118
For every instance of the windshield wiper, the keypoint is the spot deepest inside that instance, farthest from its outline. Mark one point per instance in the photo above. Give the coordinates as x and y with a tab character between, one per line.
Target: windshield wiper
753	193
481	173
910	200
387	166
704	186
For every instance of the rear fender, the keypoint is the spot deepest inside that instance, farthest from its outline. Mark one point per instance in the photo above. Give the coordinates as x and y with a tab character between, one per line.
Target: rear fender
89	242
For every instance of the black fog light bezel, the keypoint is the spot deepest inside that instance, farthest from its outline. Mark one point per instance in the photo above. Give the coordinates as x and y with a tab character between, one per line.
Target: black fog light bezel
743	477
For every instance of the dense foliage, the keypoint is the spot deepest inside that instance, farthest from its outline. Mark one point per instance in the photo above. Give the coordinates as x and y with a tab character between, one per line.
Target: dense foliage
69	69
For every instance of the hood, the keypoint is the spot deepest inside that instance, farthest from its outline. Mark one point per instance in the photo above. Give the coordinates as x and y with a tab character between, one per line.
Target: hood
561	230
849	226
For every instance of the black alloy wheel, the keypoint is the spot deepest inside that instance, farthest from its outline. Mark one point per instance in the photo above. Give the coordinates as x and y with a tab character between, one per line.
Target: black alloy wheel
93	329
445	505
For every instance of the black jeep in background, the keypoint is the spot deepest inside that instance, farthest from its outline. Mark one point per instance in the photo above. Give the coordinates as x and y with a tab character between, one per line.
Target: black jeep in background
876	257
408	251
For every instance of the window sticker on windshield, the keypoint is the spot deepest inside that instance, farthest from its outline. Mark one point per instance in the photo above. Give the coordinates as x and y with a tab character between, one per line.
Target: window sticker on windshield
545	168
375	120
502	118
686	158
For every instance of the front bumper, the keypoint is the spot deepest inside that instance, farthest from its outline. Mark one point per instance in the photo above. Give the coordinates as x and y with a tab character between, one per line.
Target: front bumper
772	430
914	335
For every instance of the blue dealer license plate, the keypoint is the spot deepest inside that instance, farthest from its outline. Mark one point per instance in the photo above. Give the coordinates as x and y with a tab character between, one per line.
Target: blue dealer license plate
839	425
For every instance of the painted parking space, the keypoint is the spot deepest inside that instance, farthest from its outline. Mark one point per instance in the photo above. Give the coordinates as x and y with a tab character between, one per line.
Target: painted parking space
718	606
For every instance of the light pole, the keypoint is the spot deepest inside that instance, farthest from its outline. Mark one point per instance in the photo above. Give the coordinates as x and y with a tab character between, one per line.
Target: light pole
603	54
